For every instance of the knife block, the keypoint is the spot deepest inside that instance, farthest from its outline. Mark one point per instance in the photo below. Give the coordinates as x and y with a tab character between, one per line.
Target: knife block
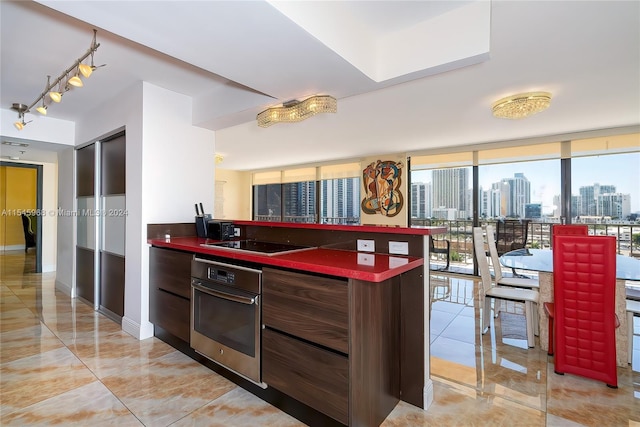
201	225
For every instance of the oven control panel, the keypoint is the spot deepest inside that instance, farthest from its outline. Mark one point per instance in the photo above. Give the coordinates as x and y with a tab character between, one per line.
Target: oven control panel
220	275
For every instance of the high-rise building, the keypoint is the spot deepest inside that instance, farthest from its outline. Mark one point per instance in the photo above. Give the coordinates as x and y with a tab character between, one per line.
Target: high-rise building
518	195
589	198
300	201
340	203
421	198
451	190
614	205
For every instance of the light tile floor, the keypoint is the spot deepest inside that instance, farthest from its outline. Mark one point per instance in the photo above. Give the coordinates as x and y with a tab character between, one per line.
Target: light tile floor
63	364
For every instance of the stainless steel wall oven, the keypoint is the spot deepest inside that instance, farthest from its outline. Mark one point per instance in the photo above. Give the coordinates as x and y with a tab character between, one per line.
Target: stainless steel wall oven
226	316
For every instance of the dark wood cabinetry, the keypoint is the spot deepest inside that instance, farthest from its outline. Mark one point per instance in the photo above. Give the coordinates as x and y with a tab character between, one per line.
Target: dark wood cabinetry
314	376
332	343
170	291
313	308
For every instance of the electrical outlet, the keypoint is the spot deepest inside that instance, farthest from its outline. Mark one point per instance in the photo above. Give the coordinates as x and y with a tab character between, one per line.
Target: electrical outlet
366	259
366	245
236	232
399	248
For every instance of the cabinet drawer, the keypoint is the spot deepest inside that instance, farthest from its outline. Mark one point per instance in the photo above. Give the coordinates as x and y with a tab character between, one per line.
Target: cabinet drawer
314	376
171	271
310	307
170	312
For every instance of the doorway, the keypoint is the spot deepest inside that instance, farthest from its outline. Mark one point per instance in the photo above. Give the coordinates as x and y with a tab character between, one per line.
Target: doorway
21	193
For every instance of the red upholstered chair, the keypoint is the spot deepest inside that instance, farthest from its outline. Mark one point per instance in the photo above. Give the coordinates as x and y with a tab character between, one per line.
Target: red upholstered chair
569	230
584	276
561	230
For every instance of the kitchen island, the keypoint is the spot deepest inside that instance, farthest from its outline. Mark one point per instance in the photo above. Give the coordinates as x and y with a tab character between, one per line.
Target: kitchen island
344	332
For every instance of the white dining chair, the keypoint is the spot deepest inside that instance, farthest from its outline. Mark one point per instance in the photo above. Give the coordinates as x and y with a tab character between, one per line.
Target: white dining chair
633	309
490	291
514	282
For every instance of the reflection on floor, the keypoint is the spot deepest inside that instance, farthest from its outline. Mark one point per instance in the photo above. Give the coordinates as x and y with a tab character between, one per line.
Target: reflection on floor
62	363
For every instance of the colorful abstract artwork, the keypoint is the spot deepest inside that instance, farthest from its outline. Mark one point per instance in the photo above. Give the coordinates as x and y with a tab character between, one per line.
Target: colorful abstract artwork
382	181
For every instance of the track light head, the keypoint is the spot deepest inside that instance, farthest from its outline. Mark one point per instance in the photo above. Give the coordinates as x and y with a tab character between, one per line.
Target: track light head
55	96
76	81
85	70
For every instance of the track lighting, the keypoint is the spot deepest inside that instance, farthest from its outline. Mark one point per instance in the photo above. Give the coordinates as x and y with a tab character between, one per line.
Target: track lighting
21	109
63	82
85	70
43	108
75	80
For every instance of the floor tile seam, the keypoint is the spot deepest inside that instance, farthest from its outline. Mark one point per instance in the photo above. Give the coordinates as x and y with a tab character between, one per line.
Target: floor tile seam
204	405
26	409
115	396
480	391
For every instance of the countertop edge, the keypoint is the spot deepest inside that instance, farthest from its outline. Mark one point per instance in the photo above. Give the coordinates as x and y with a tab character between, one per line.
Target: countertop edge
358	272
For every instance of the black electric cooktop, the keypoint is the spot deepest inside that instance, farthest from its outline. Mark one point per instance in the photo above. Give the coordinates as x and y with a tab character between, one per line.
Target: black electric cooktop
264	248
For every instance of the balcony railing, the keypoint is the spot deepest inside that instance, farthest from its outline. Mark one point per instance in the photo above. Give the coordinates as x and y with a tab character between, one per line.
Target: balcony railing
459	234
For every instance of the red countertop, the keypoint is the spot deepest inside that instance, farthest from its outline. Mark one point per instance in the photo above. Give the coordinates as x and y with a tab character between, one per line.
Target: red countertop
369	267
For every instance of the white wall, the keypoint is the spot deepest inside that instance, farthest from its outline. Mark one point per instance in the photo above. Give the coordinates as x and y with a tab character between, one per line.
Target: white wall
65	270
236	194
177	171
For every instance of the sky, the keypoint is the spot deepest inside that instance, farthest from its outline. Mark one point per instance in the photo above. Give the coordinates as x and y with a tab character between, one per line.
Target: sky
621	170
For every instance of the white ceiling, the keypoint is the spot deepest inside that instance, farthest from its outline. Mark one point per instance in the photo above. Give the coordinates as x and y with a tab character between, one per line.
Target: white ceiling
408	75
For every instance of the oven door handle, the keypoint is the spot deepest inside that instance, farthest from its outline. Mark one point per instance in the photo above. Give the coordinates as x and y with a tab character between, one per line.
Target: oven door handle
224	295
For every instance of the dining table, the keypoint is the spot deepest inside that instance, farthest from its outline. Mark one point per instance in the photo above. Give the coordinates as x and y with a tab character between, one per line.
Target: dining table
541	261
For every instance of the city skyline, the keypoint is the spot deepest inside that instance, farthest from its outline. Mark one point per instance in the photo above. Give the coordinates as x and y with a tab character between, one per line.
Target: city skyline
620	170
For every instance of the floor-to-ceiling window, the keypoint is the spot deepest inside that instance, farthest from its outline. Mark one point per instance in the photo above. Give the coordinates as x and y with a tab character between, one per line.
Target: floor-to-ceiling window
324	194
525	183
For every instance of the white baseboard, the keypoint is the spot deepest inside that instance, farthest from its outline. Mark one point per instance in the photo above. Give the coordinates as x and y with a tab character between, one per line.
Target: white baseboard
64	288
49	268
136	330
12	248
427	394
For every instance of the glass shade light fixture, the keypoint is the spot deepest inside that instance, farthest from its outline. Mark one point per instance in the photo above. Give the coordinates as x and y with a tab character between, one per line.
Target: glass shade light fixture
56	95
63	83
21	109
76	80
43	108
521	105
85	69
296	111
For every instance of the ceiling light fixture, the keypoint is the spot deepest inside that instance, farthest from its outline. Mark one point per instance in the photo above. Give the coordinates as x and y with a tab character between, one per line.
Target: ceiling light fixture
521	105
21	109
63	82
15	144
43	108
296	111
76	80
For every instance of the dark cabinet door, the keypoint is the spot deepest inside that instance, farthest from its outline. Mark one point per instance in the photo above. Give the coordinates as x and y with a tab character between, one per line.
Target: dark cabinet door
314	308
86	223
113	225
310	374
170	291
85	170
